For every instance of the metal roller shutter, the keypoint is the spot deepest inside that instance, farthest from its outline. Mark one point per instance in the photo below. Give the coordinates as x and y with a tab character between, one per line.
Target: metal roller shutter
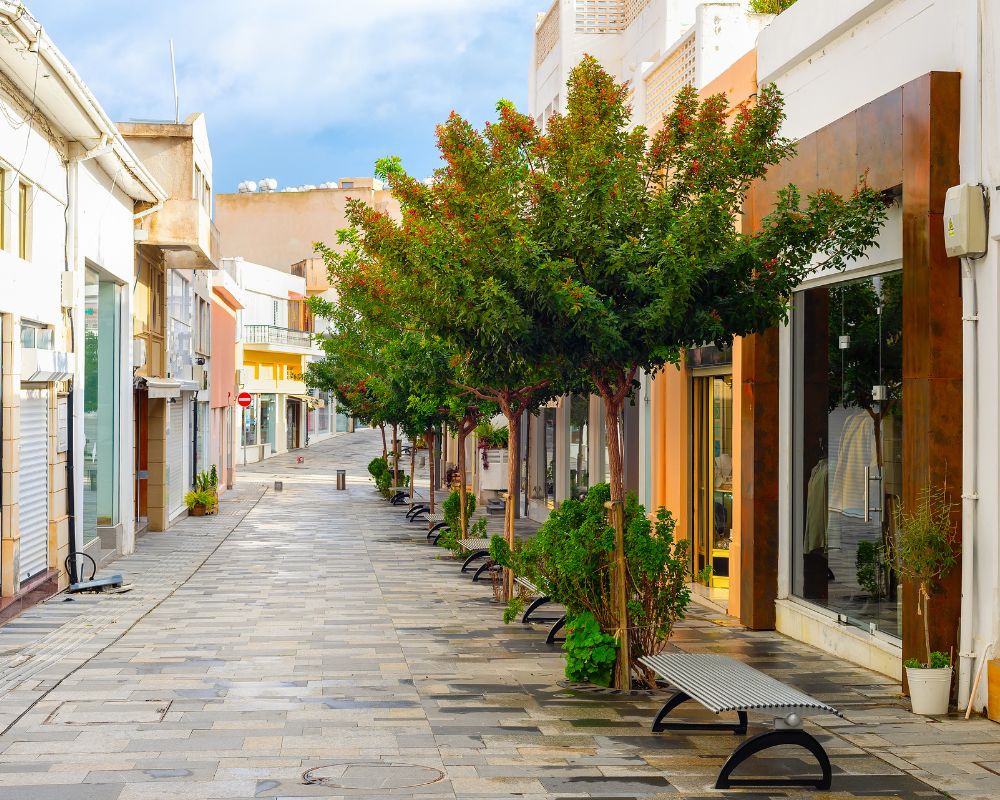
33	480
177	486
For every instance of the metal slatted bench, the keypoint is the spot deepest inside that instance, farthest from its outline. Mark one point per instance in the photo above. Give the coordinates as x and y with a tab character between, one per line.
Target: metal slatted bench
435	524
722	684
398	494
476	548
540	600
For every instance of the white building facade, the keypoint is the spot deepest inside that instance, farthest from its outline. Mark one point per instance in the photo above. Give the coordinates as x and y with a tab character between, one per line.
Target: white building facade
71	190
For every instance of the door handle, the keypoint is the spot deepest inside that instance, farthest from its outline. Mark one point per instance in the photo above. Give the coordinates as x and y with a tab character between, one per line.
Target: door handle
868	482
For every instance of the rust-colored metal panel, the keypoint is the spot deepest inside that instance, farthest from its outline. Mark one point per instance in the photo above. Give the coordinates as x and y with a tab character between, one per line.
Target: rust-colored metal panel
932	334
880	140
759	489
837	152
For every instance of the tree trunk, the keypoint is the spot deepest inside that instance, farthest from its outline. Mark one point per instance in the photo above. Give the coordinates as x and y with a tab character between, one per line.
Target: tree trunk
413	472
385	450
463	521
395	454
429	437
612	411
513	487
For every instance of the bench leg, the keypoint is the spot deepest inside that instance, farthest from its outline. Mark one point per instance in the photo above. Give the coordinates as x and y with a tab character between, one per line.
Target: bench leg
659	725
435	528
482	569
551	638
476	555
538	601
418	508
768	739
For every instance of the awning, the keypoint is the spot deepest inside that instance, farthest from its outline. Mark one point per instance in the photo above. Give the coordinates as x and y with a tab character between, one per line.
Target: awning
190	386
313	402
162	387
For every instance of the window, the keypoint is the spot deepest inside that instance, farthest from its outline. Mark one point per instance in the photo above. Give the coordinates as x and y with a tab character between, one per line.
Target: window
203	328
579	433
36	336
347	184
848	448
23	220
3	209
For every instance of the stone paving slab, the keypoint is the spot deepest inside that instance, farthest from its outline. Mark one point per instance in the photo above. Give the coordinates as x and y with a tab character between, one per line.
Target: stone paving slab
310	628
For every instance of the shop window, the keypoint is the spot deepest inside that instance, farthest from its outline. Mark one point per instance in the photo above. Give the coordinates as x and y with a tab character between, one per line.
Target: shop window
579	433
848	445
250	422
549	461
101	396
712	478
24	221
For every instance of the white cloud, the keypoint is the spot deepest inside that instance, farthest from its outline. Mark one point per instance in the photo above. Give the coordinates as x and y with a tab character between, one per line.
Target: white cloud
293	66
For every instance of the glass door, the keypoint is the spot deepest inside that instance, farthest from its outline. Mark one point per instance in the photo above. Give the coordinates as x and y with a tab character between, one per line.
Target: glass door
712	479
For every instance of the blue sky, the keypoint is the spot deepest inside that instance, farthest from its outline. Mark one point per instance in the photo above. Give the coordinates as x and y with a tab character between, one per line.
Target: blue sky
304	91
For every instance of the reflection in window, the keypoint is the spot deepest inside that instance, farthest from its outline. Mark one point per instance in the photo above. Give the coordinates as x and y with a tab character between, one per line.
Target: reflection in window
549	454
579	431
250	422
100	403
849	444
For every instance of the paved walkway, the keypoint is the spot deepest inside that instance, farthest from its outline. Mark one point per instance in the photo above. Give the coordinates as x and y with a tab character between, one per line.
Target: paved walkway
308	640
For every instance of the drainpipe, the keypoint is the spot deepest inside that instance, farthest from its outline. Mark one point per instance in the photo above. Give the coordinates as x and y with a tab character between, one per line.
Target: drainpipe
970	425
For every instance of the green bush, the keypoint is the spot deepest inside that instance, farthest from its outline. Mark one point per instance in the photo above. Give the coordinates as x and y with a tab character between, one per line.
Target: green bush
452	508
379	469
570	559
869	569
590	653
770	6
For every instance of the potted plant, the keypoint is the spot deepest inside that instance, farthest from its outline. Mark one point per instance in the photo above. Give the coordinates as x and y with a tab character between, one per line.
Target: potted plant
923	551
201	502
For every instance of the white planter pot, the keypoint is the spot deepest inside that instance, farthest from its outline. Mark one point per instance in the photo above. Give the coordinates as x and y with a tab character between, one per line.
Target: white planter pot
929	690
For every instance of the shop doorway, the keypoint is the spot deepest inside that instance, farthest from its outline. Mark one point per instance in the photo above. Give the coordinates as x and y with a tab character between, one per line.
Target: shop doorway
712	480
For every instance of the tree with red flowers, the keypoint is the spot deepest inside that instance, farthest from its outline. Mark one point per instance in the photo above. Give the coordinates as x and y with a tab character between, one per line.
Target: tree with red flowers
596	247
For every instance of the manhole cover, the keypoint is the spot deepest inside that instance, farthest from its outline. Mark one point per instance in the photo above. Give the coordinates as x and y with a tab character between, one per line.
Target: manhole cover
372	775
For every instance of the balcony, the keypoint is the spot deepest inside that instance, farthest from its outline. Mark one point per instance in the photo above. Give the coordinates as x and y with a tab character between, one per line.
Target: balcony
184	230
284	340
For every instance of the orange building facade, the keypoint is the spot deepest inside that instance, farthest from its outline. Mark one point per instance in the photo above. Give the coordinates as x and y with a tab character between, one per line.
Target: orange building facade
694	433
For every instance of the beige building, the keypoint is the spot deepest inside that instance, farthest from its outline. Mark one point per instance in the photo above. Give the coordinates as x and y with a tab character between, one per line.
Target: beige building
279	228
176	245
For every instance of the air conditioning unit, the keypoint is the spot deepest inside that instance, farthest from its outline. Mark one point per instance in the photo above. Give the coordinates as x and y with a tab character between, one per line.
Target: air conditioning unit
243	376
138	353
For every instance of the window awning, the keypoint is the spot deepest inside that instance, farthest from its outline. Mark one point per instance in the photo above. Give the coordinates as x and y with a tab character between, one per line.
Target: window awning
162	387
313	402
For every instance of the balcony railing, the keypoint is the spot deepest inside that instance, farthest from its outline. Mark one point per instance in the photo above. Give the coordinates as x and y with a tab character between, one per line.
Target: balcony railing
271	334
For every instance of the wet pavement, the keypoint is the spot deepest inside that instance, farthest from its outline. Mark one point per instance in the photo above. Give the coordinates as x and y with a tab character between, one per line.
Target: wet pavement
310	643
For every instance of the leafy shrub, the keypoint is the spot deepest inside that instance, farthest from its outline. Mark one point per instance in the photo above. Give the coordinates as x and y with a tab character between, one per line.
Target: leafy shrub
379	469
923	549
452	508
570	559
870	566
514	608
201	497
939	660
492	437
770	6
590	653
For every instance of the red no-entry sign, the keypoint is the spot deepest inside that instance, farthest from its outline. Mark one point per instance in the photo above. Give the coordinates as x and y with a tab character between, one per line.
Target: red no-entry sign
244	399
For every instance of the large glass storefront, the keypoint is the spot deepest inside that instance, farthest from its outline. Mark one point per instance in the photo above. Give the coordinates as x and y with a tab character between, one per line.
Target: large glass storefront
102	384
579	433
250	421
712	478
848	446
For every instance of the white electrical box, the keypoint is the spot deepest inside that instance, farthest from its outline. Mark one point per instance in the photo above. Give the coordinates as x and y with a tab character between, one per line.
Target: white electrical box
965	221
68	288
138	353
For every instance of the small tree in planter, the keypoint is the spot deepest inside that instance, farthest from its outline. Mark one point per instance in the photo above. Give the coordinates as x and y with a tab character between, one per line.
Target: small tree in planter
571	560
923	551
